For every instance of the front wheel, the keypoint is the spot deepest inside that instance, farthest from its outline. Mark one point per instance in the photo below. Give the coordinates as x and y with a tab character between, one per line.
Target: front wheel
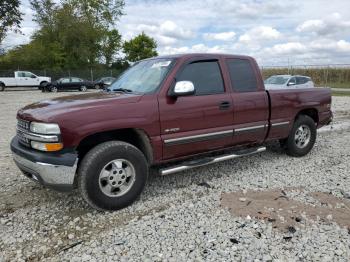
2	87
112	175
302	137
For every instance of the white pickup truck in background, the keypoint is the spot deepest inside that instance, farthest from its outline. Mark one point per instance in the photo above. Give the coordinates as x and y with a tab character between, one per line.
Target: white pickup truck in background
23	79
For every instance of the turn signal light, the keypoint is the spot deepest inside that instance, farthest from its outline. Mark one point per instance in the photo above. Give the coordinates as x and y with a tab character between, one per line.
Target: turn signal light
49	147
53	146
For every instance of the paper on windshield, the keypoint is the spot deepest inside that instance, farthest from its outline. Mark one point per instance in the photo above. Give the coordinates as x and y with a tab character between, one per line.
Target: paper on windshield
161	64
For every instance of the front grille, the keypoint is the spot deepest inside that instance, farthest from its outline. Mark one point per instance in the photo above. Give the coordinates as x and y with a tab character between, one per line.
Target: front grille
23	127
23	124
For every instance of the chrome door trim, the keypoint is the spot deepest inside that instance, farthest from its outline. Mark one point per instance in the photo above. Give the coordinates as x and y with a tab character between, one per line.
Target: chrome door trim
280	124
249	128
198	138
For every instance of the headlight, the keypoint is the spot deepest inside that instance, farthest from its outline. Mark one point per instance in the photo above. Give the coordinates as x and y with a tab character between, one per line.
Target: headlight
44	128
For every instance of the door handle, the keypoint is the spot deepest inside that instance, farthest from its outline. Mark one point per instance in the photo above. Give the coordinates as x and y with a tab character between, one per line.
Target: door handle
224	105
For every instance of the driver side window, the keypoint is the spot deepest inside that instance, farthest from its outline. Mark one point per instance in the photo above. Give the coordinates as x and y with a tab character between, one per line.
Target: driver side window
27	74
205	76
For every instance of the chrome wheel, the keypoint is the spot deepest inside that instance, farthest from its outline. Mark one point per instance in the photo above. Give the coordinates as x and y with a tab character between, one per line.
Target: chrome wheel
83	89
54	89
302	136
117	177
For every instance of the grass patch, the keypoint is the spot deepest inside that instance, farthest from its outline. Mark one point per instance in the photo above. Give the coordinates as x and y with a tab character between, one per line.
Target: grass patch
339	85
340	93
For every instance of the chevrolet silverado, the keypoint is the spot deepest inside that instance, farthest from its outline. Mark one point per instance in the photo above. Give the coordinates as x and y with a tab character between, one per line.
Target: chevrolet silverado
172	113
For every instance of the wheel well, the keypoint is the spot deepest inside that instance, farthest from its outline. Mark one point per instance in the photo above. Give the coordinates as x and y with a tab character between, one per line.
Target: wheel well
136	137
311	112
42	82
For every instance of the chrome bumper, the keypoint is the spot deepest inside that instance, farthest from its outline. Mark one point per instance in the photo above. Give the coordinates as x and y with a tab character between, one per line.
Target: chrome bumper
57	177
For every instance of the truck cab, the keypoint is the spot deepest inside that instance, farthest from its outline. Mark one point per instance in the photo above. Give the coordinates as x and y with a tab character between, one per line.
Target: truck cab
172	113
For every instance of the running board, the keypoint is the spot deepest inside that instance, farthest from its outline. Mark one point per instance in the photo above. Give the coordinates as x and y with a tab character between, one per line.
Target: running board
209	160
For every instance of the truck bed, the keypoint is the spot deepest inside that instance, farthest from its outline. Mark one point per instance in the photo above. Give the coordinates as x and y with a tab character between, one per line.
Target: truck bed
286	104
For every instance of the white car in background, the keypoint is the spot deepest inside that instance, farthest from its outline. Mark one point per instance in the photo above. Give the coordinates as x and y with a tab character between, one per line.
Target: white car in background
288	81
23	79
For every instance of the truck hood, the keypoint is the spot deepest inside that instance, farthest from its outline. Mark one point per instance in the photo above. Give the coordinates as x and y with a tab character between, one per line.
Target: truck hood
51	109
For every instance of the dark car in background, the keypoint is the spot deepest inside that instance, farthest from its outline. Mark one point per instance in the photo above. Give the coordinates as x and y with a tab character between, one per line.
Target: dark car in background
69	83
104	82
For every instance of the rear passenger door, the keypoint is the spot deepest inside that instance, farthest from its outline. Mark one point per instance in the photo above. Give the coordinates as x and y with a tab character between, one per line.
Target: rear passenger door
250	102
23	79
199	122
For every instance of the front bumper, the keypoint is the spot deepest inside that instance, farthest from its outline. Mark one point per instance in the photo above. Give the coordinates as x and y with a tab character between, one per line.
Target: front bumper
56	171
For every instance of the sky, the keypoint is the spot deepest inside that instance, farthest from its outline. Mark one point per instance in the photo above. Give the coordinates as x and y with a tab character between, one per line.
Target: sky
299	32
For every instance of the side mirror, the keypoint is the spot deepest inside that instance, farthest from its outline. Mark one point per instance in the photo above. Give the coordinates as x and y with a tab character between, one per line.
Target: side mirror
183	88
33	76
292	84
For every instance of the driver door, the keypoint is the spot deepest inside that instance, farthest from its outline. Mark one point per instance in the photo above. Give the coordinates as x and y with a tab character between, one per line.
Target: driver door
31	79
200	122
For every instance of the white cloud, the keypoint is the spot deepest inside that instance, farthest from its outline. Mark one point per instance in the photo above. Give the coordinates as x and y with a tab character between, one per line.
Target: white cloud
291	48
165	32
223	36
170	29
257	35
330	25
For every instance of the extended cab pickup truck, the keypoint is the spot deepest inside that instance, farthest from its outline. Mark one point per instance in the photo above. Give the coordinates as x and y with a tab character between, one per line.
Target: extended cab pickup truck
23	79
172	113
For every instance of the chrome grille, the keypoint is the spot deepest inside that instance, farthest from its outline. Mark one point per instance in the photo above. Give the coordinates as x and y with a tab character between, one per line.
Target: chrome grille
22	127
23	124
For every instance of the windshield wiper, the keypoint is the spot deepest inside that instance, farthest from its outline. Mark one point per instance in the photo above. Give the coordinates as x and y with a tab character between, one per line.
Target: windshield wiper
124	90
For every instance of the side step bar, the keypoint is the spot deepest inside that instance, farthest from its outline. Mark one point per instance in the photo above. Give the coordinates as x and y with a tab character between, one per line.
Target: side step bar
209	160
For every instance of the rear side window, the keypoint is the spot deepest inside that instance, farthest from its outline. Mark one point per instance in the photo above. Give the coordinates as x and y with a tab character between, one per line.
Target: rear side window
302	80
205	76
243	78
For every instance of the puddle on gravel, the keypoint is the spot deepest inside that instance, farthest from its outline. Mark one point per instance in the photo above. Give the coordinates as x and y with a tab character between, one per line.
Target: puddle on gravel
284	213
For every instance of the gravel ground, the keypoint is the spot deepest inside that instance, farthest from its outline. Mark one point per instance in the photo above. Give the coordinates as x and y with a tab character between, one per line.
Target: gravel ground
178	217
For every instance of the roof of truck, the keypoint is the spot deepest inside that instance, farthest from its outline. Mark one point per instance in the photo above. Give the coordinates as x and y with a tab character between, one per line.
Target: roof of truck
188	55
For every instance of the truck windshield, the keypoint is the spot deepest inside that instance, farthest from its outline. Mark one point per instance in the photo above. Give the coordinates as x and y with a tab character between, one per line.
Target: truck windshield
276	80
143	77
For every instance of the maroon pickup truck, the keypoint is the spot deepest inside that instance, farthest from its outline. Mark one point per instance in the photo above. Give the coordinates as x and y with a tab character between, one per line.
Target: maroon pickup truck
173	113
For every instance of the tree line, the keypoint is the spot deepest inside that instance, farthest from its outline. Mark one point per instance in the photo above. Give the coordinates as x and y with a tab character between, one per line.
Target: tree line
72	34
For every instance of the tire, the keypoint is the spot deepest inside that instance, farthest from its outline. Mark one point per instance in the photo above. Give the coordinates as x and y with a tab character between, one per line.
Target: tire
97	87
53	89
2	87
83	89
96	187
43	85
301	138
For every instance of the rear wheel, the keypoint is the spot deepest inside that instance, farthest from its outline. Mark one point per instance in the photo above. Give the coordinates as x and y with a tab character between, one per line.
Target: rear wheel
54	89
112	175
97	86
2	87
83	88
302	137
